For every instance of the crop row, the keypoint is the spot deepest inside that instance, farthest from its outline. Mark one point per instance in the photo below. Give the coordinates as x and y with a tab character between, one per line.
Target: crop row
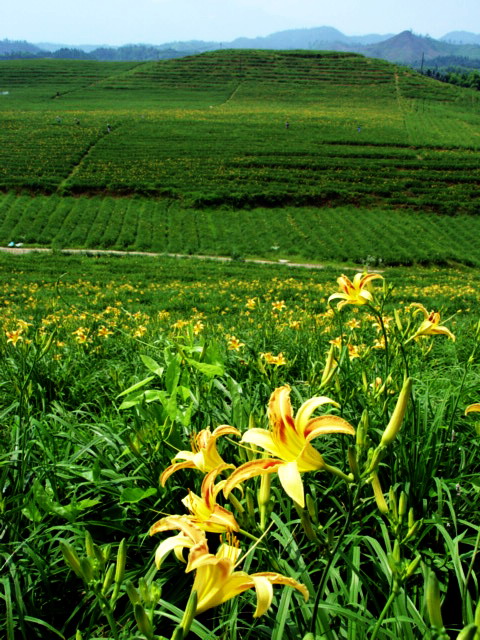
244	158
305	233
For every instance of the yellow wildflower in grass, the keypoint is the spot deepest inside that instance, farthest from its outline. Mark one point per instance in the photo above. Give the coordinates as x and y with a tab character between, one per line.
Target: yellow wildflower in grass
205	512
81	335
431	324
294	324
279	305
379	343
140	331
271	359
22	325
337	342
198	327
216	580
14	336
356	292
353	324
190	537
234	344
251	303
179	324
354	350
289	439
204	455
387	321
103	332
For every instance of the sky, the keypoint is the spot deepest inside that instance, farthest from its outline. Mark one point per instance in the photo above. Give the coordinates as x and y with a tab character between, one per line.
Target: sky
117	22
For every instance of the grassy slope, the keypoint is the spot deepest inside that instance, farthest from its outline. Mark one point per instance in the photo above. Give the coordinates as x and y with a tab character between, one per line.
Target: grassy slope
209	131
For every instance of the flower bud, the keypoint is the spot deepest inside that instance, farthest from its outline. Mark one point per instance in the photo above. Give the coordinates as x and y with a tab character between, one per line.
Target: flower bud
144	591
89	545
132	593
411	518
107	583
87	569
99	556
362	430
329	367
413	566
378	493
392	501
398	321
71	558
143	621
398	414
121	560
402	505
413	530
433	602
353	462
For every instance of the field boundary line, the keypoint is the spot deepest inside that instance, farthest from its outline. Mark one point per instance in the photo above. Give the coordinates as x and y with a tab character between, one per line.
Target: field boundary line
232	95
151	254
76	168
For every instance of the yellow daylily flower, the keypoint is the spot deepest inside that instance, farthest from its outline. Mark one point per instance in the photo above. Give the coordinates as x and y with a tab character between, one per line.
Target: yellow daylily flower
204	455
205	512
216	581
356	292
190	537
431	324
234	344
14	336
289	440
472	407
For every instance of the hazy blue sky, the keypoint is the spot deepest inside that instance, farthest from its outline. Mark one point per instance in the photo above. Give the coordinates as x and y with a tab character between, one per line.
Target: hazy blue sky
158	21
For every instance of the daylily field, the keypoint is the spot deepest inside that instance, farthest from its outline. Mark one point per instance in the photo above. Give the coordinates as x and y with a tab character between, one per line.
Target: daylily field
234	450
229	450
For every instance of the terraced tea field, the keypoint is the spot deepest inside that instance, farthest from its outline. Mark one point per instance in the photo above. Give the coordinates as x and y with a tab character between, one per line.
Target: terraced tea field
208	132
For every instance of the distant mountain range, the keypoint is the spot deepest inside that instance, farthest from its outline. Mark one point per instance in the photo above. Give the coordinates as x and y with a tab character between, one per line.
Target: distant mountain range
405	48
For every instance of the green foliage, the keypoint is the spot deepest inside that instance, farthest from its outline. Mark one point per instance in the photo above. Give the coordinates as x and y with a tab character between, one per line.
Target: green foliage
205	132
78	469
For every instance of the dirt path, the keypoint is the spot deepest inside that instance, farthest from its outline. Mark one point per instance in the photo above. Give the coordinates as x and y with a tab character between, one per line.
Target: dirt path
112	252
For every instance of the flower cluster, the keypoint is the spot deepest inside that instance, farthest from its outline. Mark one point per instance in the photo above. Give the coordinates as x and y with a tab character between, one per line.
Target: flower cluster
288	442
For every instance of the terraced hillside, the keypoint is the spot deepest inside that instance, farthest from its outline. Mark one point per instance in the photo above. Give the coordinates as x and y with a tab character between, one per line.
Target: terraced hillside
211	130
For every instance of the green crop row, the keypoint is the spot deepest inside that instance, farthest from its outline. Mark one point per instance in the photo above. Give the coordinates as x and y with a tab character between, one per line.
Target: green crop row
163	226
364	143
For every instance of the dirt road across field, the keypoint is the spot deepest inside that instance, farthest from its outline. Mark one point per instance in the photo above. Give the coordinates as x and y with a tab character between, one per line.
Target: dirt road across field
111	252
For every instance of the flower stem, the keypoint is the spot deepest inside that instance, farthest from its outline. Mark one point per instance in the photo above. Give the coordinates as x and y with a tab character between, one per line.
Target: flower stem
381	618
331	559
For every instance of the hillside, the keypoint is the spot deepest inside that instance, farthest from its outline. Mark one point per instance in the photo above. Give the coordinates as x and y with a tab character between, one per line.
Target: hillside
204	134
408	48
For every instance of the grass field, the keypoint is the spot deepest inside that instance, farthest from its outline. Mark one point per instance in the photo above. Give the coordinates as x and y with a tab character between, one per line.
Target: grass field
323	428
201	344
202	140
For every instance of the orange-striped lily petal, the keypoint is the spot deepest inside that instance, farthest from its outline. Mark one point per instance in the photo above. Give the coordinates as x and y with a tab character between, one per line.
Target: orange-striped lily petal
205	512
472	407
204	455
216	581
191	537
431	324
356	292
289	441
